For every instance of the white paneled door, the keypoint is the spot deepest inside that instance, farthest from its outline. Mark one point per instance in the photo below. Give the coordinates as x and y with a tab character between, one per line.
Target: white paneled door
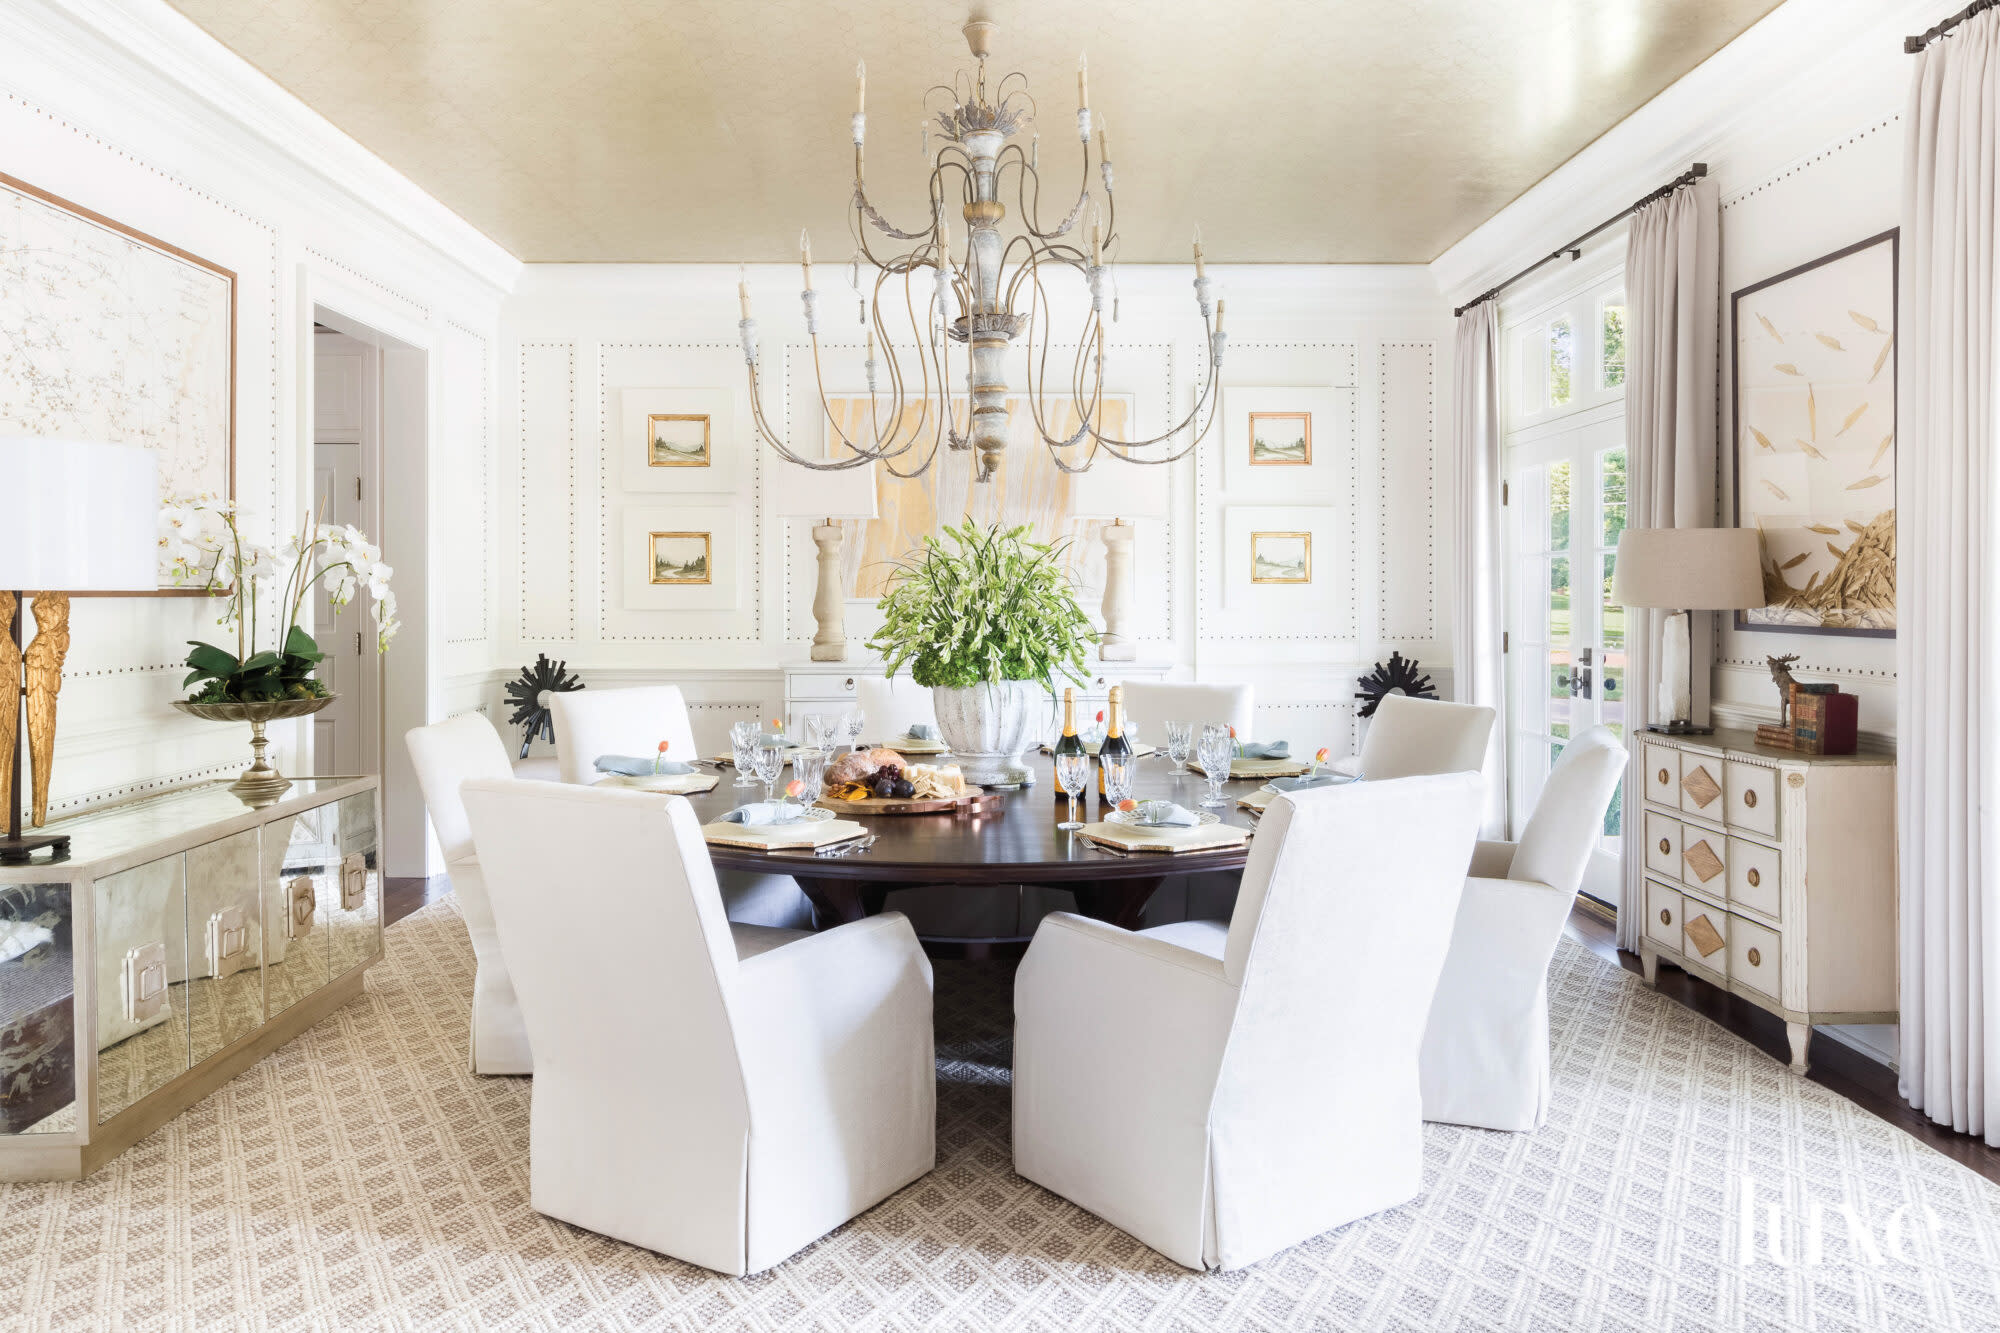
343	734
1566	641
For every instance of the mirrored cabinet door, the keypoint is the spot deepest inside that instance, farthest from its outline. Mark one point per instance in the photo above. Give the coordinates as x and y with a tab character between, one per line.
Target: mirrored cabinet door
225	943
37	1010
356	918
301	858
142	981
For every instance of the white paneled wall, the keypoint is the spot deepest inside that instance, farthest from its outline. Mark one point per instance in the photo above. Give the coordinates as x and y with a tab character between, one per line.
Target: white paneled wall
132	112
1367	346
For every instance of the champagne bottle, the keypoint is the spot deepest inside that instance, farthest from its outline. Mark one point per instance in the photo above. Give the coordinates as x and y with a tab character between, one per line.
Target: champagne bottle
1071	743
1115	745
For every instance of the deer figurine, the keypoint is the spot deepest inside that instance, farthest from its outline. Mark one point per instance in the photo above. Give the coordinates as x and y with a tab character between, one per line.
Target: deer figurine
1781	676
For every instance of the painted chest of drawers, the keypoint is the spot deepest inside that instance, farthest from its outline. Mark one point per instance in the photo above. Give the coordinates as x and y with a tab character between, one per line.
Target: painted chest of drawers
1772	874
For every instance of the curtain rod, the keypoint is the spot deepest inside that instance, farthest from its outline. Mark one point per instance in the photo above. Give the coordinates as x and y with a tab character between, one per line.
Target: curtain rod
1575	248
1912	45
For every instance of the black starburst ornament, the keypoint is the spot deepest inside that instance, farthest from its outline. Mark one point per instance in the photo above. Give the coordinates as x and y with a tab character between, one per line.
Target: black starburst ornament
530	697
1399	677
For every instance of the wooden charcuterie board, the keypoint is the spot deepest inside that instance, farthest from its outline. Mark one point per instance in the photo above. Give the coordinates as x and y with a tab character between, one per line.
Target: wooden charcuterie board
968	803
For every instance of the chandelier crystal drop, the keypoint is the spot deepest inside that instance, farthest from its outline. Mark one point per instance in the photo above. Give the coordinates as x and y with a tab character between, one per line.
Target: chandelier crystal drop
983	296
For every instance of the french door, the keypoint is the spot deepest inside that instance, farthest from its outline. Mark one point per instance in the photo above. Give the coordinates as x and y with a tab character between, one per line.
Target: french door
1565	639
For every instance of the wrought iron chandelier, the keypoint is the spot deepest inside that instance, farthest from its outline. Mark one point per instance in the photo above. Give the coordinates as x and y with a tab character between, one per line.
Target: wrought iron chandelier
983	297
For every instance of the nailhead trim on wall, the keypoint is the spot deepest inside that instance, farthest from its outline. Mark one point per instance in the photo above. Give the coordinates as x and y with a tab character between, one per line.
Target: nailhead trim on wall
568	631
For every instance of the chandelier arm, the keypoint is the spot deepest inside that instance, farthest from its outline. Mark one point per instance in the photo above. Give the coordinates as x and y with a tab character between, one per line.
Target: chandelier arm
1039	305
1119	446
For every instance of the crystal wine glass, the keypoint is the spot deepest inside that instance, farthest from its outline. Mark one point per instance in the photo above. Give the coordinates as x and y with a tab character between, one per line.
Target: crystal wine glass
817	729
1180	742
809	766
769	762
1072	775
850	725
1218	748
1117	779
742	740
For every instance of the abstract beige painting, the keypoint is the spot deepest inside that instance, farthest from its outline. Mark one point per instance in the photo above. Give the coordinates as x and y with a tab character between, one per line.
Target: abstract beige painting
1031	489
1815	446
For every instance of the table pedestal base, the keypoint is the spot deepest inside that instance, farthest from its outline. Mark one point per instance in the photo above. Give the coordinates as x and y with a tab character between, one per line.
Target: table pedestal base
838	901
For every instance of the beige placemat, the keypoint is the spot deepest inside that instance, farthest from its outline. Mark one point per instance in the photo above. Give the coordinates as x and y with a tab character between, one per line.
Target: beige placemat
672	784
1259	768
1256	800
1207	838
769	837
902	745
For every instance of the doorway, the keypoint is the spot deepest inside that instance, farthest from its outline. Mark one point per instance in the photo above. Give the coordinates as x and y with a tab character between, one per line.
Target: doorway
347	451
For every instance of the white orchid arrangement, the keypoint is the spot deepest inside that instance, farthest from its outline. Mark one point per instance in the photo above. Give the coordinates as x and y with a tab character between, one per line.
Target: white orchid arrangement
202	544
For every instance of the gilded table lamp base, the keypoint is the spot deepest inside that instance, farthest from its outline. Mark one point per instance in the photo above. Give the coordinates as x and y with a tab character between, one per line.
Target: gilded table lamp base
43	664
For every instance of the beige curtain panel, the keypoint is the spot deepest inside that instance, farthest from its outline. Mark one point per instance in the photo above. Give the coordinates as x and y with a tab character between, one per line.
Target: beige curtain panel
1673	298
1948	711
1479	673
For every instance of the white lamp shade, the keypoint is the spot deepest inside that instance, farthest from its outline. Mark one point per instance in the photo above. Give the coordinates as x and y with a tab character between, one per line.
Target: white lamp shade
1689	569
798	492
1114	488
81	516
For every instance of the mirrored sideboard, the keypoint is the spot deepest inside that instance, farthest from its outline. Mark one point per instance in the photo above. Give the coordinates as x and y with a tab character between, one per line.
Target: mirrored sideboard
186	937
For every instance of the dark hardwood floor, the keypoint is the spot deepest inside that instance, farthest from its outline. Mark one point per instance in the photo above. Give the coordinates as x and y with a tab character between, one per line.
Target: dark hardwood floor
1839	1068
1842	1069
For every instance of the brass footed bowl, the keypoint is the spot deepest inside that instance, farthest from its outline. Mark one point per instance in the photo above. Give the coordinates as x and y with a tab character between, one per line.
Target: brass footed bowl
261	784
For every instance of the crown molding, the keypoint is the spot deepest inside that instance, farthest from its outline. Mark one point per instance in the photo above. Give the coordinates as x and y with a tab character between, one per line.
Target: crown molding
1805	53
146	57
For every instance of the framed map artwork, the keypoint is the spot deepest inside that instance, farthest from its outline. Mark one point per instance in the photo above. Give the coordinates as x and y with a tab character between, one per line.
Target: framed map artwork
109	334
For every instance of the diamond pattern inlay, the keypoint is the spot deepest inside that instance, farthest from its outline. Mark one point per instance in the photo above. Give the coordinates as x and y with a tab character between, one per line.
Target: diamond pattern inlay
1702	787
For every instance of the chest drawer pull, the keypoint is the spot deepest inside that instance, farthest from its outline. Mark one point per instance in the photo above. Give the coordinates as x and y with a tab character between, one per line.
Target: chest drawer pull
1663	777
1750	799
1665	847
1666	917
1756	959
1754	878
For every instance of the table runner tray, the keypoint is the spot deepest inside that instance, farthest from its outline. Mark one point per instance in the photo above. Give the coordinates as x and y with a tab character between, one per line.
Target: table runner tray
971	802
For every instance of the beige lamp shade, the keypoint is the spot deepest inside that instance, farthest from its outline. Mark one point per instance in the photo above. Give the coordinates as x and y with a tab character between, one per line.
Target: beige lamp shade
82	516
1689	569
801	492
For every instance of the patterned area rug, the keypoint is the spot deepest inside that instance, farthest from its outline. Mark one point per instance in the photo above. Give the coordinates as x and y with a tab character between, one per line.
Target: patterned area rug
361	1179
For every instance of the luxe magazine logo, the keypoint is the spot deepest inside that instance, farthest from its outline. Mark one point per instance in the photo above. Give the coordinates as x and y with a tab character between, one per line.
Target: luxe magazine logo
1773	1230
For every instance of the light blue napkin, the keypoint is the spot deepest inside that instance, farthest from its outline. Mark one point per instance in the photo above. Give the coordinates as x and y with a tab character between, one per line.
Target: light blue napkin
1315	780
1265	749
763	812
774	738
1165	814
626	766
921	731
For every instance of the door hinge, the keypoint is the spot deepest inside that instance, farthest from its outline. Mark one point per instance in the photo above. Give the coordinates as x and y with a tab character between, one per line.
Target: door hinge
357	643
1503	641
357	490
1503	493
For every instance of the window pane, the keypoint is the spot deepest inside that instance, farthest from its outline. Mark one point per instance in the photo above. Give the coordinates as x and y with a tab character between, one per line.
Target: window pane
1562	355
1611	493
1613	323
1558	492
1560	657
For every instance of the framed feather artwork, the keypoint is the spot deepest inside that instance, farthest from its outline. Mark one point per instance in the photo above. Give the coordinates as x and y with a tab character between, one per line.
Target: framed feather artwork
1815	440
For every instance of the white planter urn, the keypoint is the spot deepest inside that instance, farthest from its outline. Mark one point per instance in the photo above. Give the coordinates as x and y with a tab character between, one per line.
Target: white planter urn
989	727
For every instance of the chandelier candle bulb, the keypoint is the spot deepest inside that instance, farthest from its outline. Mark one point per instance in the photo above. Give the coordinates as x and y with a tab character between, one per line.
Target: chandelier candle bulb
1083	82
1200	269
743	289
860	86
806	255
1035	152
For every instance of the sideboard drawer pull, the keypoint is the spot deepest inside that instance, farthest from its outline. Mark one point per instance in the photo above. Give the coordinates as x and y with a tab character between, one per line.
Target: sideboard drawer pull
848	683
1756	959
1663	777
1750	799
1754	878
1665	847
1666	917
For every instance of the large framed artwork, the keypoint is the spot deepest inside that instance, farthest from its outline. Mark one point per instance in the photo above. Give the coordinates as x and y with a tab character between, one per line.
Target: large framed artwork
1815	440
107	333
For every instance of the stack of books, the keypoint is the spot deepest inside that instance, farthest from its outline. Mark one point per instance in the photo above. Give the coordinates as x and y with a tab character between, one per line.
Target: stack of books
1824	721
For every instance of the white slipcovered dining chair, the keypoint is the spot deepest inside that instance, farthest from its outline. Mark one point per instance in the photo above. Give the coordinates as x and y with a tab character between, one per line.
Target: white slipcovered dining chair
590	724
723	1094
446	755
1223	1092
1486	1047
1153	704
889	707
1410	737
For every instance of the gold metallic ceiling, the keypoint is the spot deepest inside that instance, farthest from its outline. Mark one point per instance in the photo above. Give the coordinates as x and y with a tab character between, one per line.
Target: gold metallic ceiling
1292	130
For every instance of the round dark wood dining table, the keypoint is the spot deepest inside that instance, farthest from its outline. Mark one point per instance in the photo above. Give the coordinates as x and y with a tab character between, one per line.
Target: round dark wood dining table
1015	843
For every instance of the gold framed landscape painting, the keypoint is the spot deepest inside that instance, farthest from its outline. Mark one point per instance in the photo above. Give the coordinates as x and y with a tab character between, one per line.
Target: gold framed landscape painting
1815	440
677	439
1281	557
1281	439
681	557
